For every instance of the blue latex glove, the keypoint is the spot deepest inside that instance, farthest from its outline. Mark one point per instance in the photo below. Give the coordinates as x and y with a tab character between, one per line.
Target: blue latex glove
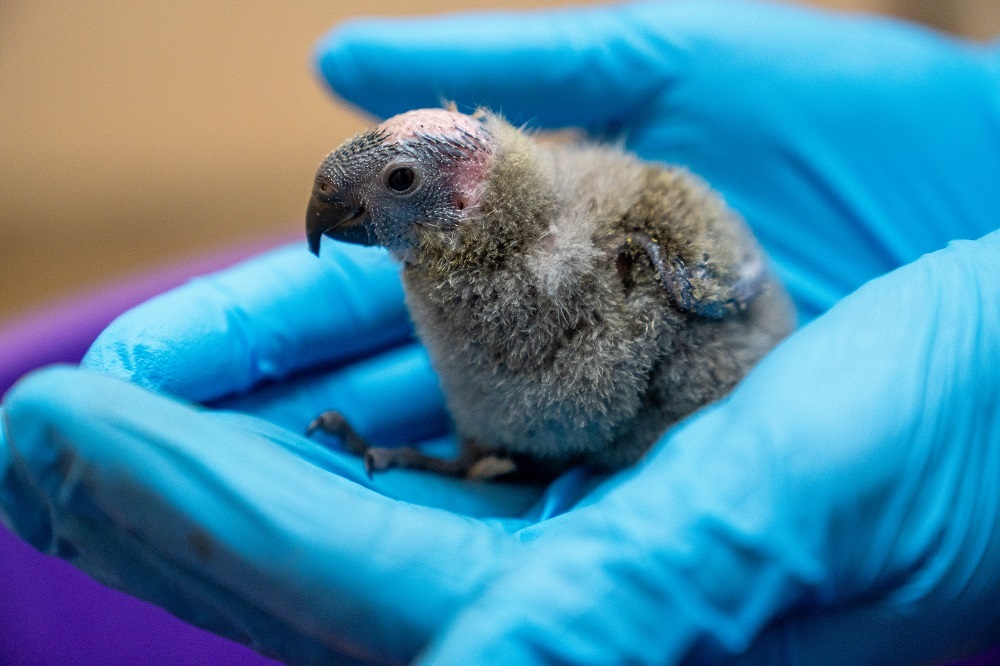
227	516
841	505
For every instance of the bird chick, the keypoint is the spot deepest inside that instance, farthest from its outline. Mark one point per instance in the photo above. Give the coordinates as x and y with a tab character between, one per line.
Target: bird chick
575	301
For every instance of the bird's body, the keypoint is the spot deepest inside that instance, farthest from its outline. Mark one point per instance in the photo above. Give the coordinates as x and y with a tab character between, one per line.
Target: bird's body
575	301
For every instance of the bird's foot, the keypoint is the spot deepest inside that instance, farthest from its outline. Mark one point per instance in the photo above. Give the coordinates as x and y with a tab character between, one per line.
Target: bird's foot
378	459
490	467
471	465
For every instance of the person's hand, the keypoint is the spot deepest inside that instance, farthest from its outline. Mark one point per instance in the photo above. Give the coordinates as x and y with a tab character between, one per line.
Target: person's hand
842	505
224	513
852	145
847	485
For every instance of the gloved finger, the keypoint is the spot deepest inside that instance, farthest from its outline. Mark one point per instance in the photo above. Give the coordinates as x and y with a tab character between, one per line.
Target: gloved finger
263	319
392	397
855	467
570	67
230	519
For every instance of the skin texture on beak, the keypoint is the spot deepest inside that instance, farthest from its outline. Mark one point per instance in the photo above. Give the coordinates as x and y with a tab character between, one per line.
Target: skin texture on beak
338	220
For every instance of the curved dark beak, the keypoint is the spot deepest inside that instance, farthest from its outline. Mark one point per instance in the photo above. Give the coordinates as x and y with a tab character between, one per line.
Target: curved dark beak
338	220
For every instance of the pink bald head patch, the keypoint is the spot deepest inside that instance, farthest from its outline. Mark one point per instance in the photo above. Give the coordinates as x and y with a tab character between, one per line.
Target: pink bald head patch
442	122
474	147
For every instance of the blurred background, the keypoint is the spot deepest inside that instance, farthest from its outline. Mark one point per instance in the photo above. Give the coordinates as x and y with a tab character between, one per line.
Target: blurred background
134	134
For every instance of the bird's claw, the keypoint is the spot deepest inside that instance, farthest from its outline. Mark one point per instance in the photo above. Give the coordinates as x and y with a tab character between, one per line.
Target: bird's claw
330	422
334	423
380	459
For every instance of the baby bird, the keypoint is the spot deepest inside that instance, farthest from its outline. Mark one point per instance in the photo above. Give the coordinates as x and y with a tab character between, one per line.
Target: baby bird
575	301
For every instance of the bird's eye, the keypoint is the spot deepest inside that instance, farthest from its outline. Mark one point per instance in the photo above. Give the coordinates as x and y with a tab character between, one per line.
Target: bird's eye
401	179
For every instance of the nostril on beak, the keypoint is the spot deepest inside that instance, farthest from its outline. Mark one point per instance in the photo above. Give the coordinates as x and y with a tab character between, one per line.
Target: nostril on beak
323	189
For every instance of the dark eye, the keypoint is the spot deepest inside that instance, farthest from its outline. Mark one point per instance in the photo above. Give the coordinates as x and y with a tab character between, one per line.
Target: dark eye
401	179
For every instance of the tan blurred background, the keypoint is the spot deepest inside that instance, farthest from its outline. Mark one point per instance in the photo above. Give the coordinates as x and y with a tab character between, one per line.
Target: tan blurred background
132	134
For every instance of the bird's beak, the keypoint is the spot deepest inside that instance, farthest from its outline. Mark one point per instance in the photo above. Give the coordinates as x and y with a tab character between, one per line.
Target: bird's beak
336	219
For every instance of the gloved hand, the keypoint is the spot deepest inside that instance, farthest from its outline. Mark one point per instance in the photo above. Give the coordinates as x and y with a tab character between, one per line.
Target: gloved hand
226	515
852	145
841	505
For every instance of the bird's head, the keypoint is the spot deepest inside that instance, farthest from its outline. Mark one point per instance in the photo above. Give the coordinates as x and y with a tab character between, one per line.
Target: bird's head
424	168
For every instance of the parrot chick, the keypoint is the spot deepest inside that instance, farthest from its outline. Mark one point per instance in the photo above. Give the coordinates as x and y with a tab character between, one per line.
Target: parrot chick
575	301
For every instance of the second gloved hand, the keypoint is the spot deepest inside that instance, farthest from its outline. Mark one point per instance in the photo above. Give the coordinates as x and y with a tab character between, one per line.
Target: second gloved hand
851	144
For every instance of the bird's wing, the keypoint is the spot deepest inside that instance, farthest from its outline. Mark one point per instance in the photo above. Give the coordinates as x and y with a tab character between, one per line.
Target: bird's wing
703	253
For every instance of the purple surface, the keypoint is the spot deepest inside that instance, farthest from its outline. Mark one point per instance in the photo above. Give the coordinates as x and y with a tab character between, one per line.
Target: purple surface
50	613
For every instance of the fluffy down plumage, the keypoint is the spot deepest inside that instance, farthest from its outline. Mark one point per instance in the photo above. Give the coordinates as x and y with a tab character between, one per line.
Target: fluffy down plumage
575	300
